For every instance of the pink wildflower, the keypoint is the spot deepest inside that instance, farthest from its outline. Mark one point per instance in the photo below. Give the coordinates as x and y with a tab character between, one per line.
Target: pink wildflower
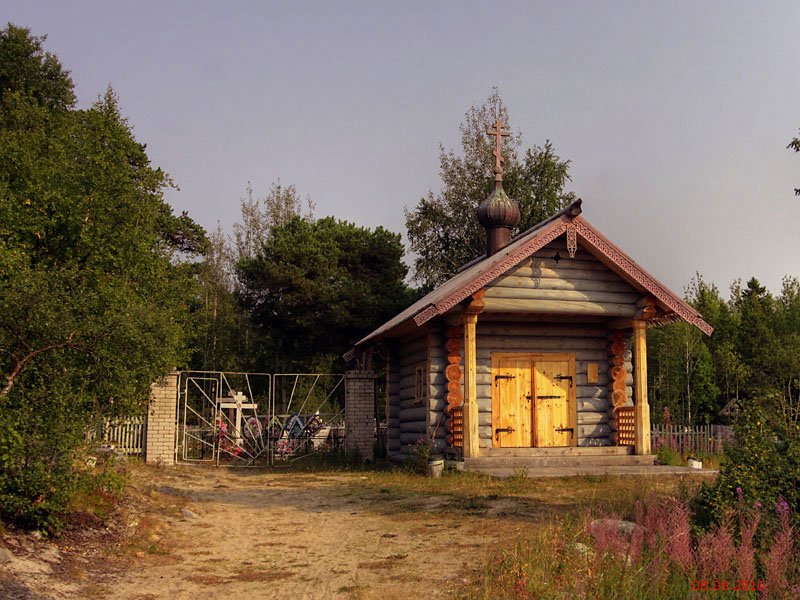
716	551
679	542
777	560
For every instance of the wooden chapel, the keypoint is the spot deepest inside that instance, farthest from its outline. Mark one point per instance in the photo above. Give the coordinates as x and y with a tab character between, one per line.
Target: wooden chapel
537	349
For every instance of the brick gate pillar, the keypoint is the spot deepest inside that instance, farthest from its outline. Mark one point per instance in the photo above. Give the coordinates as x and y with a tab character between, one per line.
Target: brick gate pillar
359	412
162	414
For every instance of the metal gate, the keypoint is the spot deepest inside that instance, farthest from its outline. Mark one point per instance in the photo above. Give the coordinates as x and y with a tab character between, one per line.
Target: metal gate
247	419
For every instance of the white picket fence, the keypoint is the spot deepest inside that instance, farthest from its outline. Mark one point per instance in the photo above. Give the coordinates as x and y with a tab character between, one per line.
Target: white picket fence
126	435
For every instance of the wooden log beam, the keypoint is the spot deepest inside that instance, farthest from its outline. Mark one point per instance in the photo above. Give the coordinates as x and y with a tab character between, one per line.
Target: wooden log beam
559	283
412	438
542	330
418	413
414	427
591	271
641	405
514	305
563	295
540	344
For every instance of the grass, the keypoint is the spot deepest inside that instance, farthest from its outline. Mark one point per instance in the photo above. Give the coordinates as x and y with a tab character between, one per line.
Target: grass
673	458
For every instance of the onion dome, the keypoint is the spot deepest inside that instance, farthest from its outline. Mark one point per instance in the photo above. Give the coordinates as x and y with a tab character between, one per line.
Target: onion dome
498	210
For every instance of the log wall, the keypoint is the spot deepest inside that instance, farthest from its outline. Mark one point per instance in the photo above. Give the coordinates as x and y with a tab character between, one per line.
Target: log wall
579	286
412	412
437	385
392	403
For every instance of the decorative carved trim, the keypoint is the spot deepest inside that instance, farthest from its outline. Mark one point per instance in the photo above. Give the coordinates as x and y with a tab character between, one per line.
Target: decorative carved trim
537	242
425	315
454	426
476	306
599	242
572	239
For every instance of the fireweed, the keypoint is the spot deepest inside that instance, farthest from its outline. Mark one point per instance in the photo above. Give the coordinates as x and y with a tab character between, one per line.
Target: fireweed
658	555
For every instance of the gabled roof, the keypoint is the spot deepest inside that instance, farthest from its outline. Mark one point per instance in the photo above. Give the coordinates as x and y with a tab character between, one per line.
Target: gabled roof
479	273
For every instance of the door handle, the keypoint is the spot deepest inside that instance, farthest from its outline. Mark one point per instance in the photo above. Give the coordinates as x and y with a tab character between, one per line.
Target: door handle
563	377
547	397
563	429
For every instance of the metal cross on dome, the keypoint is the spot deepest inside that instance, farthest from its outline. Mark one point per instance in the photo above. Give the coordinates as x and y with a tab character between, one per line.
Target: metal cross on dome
499	131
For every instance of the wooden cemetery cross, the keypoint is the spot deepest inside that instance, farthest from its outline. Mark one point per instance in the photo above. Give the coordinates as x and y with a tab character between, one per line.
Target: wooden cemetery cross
238	404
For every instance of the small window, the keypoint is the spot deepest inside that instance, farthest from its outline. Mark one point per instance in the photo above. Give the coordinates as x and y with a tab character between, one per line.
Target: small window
421	382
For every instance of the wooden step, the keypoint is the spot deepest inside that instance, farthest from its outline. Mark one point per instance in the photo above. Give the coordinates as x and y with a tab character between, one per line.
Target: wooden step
513	462
568	451
650	470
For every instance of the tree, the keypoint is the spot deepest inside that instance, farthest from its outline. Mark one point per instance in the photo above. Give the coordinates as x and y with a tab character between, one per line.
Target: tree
260	215
27	69
795	145
443	230
223	339
93	296
316	287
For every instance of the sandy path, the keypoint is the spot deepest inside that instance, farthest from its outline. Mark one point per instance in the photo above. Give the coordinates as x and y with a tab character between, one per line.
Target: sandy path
306	536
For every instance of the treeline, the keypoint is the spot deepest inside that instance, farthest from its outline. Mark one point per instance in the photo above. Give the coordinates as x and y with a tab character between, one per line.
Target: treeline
753	356
290	292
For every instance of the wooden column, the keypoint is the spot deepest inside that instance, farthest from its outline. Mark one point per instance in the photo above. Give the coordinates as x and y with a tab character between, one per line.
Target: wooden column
471	432
641	406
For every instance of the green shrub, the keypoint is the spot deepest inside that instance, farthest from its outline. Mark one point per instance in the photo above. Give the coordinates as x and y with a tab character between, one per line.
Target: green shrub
669	456
761	467
97	491
417	461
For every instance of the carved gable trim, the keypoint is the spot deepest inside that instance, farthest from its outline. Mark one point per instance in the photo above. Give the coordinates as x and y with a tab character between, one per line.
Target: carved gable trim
525	250
628	266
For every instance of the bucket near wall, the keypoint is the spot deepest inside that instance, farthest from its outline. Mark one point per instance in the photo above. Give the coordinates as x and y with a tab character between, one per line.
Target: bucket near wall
435	466
695	464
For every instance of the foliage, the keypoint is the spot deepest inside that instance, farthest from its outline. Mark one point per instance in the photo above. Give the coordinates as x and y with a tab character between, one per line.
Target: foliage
92	292
669	456
442	228
25	67
761	466
260	215
417	461
315	287
226	339
753	356
795	145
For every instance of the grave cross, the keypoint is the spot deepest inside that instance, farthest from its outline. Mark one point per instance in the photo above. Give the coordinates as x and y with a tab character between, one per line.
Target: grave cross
237	401
499	131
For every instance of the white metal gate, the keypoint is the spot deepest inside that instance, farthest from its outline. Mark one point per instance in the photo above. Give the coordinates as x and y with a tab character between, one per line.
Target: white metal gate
246	419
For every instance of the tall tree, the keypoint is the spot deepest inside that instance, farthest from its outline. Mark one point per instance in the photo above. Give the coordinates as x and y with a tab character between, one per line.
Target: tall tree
92	297
442	228
316	287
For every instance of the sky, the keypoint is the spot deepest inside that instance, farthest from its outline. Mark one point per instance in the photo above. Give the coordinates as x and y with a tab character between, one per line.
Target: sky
675	115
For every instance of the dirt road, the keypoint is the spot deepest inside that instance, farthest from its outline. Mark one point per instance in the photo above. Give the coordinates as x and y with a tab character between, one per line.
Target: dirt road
217	533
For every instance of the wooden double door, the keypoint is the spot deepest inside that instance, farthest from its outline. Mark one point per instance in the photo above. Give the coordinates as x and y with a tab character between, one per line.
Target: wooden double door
533	400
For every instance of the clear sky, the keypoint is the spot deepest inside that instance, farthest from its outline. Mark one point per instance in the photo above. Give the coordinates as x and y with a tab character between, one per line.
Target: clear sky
676	115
